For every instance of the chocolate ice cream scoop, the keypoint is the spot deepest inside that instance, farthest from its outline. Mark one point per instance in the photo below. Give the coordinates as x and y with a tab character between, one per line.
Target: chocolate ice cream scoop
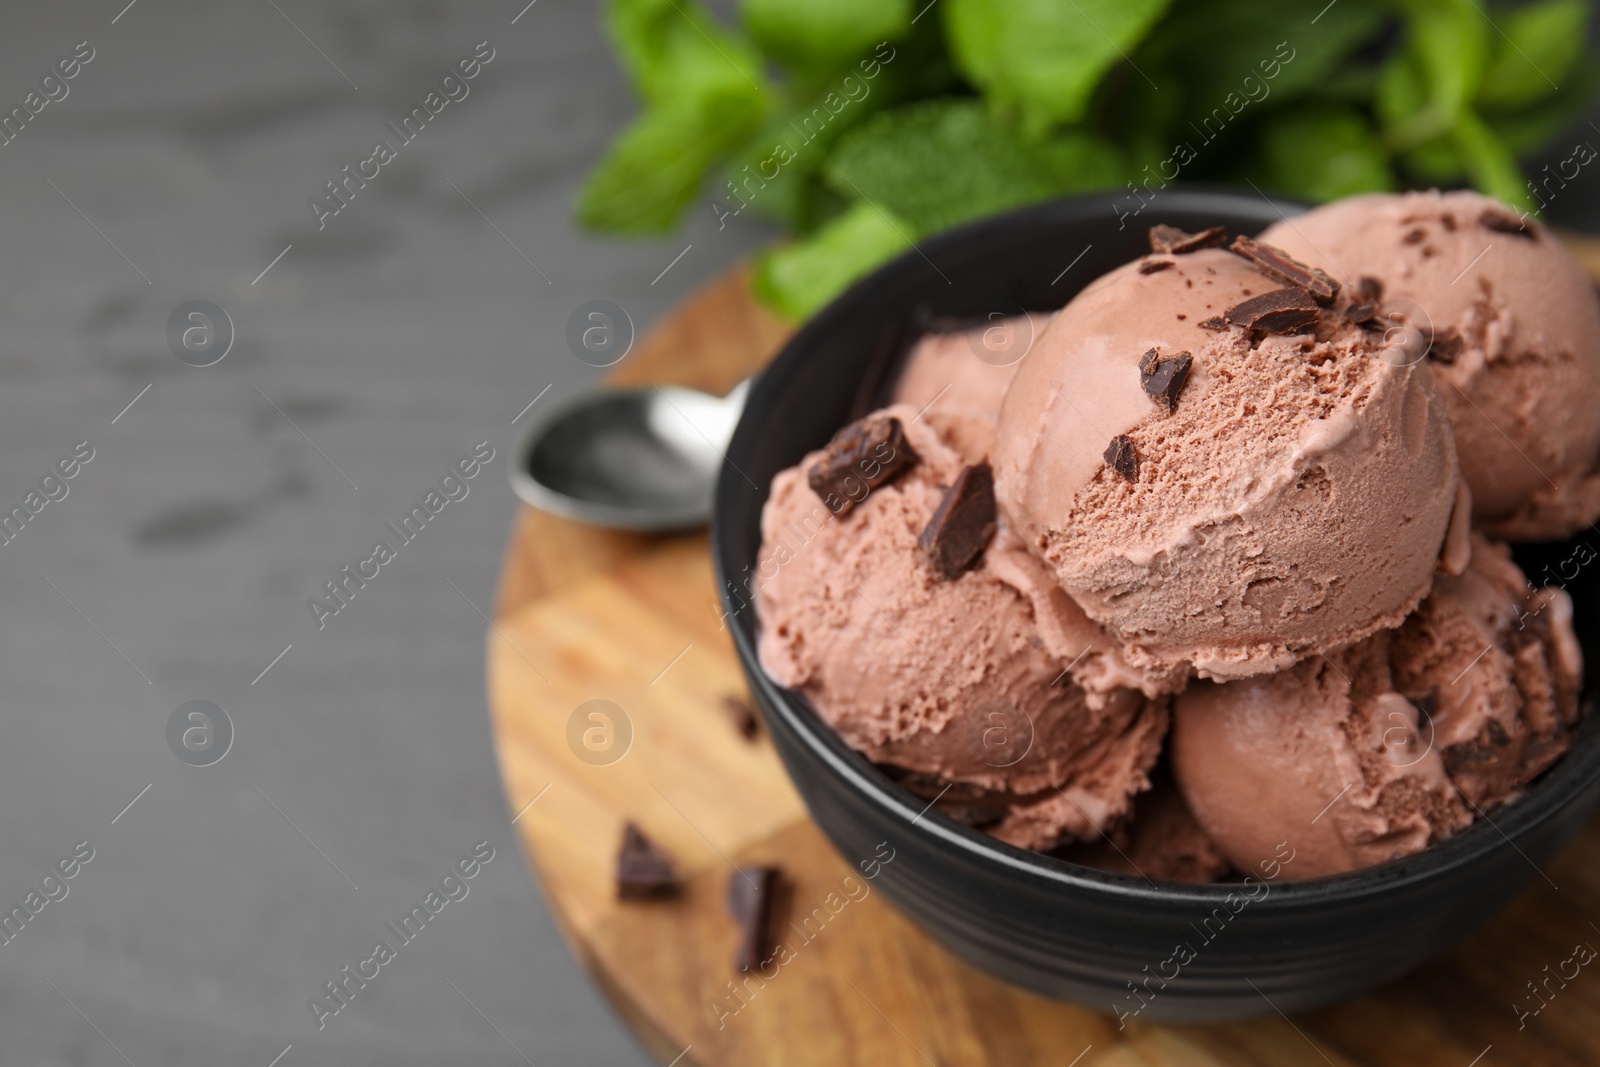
1384	748
1498	667
968	371
1288	494
943	676
1516	350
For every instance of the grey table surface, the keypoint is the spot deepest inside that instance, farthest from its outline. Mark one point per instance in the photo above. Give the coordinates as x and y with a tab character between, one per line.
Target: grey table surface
375	353
369	357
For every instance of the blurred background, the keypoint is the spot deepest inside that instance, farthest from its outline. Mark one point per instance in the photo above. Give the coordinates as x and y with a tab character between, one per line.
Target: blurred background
375	347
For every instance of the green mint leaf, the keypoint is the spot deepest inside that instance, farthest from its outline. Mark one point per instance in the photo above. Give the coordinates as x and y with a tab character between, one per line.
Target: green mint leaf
1043	58
936	163
1540	46
655	167
1324	154
776	173
1527	130
1435	162
1450	42
674	51
1401	101
1429	83
1246	49
797	279
824	35
704	95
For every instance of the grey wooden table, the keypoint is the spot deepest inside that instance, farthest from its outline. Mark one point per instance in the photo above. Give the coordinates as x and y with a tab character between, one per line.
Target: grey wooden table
372	356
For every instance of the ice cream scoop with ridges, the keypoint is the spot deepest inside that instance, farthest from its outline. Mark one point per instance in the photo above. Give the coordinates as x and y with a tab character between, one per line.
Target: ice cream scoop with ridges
1295	499
912	668
1517	355
1385	748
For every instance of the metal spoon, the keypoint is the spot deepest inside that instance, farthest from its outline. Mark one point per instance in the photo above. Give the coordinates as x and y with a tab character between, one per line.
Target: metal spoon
644	458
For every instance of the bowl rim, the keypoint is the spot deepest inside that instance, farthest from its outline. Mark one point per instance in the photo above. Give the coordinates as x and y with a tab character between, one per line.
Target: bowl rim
1542	800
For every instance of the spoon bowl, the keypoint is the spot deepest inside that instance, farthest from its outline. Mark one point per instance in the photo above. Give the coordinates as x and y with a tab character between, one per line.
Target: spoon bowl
643	458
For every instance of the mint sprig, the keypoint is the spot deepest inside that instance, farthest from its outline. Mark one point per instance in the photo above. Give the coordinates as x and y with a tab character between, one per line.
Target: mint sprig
864	125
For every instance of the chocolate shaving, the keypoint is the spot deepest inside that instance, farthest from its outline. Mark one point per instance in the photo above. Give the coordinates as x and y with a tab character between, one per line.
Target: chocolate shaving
1151	266
751	897
1169	240
1489	747
742	715
1368	290
861	457
1291	310
1361	313
1444	344
962	524
1276	263
644	869
1501	220
1215	322
1164	377
1122	458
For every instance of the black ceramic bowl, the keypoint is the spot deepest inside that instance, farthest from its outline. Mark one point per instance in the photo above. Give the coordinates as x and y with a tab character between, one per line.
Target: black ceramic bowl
1051	926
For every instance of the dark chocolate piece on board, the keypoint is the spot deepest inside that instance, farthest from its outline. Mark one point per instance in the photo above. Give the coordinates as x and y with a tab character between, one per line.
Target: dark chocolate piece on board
751	902
742	715
644	869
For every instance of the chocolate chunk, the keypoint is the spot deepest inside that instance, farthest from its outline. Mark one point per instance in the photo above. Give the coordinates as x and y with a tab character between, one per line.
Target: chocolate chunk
1444	344
1360	313
1415	236
1276	263
1291	310
1215	322
1122	458
1164	377
644	869
1502	220
1169	240
860	458
1151	266
742	715
1368	290
962	524
751	903
1426	704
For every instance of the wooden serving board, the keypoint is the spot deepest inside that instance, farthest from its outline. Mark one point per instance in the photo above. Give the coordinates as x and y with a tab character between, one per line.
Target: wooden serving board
586	614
